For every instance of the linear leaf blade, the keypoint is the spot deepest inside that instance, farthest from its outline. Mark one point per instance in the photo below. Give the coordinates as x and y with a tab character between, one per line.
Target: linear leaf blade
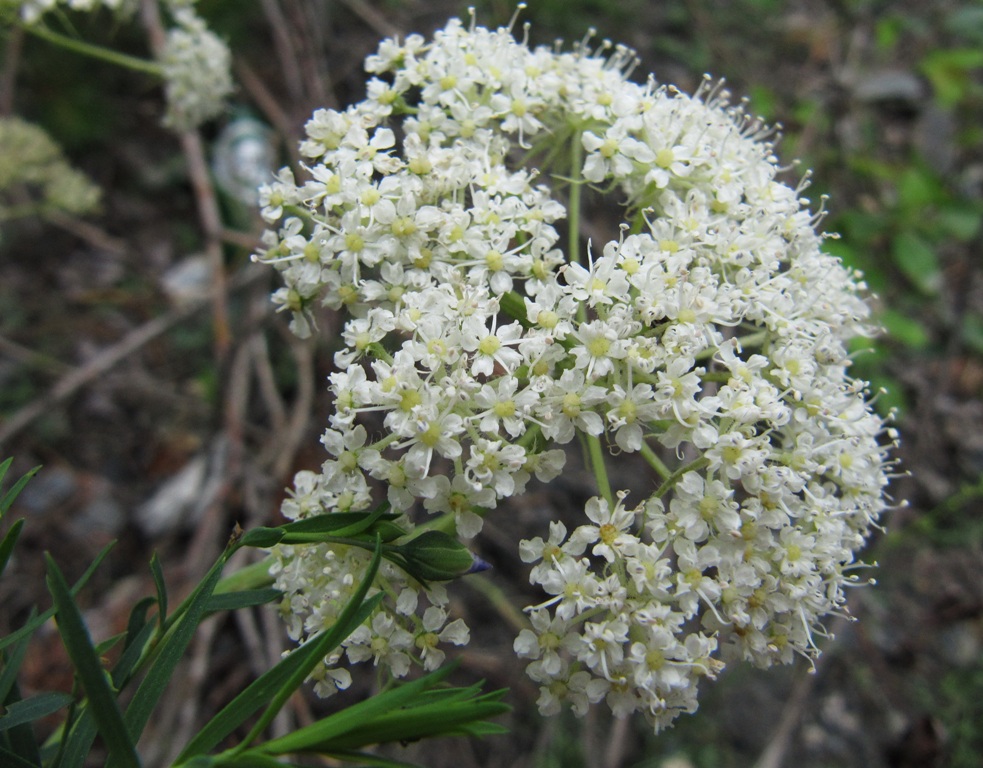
102	700
286	676
31	709
8	543
247	598
171	651
8	498
32	624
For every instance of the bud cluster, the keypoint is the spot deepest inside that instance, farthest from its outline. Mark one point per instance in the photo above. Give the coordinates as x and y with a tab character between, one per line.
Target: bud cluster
709	333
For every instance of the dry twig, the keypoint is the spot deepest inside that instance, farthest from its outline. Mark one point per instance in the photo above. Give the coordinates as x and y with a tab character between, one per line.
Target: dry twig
208	209
77	378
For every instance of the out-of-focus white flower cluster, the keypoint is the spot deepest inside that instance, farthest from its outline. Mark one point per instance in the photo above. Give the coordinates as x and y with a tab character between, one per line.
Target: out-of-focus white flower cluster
35	176
709	334
197	71
32	10
196	64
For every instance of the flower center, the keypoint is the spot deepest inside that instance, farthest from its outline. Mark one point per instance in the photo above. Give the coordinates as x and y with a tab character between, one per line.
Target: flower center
490	345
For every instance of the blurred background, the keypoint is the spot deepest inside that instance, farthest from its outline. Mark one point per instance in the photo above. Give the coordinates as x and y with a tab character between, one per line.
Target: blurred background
142	365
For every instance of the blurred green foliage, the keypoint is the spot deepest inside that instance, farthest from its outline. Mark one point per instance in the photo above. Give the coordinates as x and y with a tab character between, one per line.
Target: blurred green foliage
960	706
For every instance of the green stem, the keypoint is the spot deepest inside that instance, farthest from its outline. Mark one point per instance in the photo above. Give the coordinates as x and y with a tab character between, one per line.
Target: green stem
721	377
596	453
693	466
595	450
379	352
655	462
95	51
529	437
573	215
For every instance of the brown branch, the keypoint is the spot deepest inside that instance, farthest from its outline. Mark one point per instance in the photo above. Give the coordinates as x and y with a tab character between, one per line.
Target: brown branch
31	359
372	17
270	107
300	416
286	51
208	209
90	233
314	69
774	754
73	381
11	63
267	383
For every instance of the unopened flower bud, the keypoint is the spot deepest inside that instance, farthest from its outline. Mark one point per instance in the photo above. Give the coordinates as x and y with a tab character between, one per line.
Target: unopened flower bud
437	556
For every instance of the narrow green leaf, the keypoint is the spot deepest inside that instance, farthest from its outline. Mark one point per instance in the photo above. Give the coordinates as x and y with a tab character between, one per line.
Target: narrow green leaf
20	739
253	576
363	526
249	759
413	727
4	466
137	620
248	598
279	683
337	725
261	538
108	644
15	489
32	624
322	523
37	706
200	761
416	723
339	523
161	587
11	760
78	742
134	649
8	544
262	690
359	527
171	650
341	629
484	728
11	666
75	636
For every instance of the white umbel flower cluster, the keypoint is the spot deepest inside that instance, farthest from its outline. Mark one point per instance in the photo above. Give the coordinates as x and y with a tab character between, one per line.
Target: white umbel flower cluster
197	71
708	336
